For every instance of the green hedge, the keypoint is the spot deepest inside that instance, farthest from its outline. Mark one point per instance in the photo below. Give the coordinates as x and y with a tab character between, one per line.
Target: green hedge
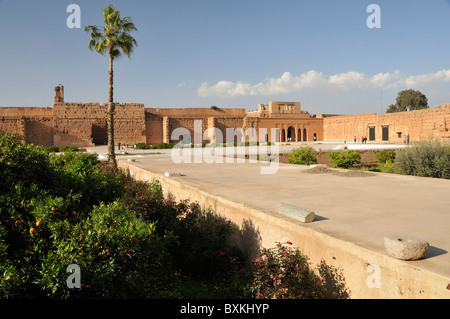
303	156
386	156
428	159
344	159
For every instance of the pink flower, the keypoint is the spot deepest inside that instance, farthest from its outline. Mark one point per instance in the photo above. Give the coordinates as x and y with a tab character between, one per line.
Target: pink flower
221	253
288	242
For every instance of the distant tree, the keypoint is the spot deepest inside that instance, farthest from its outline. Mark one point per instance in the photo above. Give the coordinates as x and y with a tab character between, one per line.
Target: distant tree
112	39
409	100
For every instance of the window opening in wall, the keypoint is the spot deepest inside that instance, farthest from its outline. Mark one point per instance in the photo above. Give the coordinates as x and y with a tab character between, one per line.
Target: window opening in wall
372	133
385	133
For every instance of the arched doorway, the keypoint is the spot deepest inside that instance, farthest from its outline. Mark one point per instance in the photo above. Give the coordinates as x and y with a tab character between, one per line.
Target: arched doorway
291	134
283	135
299	135
305	137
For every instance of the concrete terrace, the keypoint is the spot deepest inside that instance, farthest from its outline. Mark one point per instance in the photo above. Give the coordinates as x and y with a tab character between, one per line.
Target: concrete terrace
357	210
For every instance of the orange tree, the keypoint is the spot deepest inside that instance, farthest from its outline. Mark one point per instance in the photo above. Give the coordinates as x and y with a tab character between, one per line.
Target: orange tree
61	210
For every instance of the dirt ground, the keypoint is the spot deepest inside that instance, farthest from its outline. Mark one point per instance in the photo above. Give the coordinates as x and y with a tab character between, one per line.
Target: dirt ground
344	173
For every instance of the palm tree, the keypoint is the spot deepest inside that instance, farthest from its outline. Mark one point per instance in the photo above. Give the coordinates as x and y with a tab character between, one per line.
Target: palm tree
112	39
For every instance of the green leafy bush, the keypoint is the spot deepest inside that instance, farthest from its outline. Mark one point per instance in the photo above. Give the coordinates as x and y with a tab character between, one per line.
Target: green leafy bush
59	210
56	149
388	167
385	156
303	156
22	163
119	254
80	172
344	159
283	273
143	146
428	159
164	145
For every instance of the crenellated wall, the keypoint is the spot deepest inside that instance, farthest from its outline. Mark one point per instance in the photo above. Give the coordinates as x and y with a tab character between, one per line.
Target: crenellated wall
84	124
419	125
34	123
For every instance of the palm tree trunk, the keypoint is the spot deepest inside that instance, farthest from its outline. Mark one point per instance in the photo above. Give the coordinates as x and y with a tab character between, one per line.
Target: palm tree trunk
110	116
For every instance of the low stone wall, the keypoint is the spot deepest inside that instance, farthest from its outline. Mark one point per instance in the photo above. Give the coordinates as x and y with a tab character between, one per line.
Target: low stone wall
358	266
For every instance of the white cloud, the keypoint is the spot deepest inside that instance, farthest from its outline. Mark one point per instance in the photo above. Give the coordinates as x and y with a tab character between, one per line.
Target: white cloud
422	79
346	81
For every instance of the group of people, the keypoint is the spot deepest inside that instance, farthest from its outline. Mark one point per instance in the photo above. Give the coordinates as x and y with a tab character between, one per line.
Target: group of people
122	146
406	139
356	139
363	139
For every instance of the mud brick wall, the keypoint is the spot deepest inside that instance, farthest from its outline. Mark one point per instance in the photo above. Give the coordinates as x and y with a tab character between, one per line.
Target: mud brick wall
232	123
11	124
39	131
26	112
35	124
74	121
129	124
153	129
85	124
159	130
196	133
420	125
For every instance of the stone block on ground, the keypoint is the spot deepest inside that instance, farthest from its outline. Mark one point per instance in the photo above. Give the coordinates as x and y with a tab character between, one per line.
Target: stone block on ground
300	214
405	247
168	174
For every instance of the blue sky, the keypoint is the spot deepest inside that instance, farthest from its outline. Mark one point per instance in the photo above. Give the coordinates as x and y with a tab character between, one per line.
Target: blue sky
231	53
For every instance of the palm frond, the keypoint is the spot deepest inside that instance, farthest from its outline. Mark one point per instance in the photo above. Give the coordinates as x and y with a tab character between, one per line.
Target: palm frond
114	36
